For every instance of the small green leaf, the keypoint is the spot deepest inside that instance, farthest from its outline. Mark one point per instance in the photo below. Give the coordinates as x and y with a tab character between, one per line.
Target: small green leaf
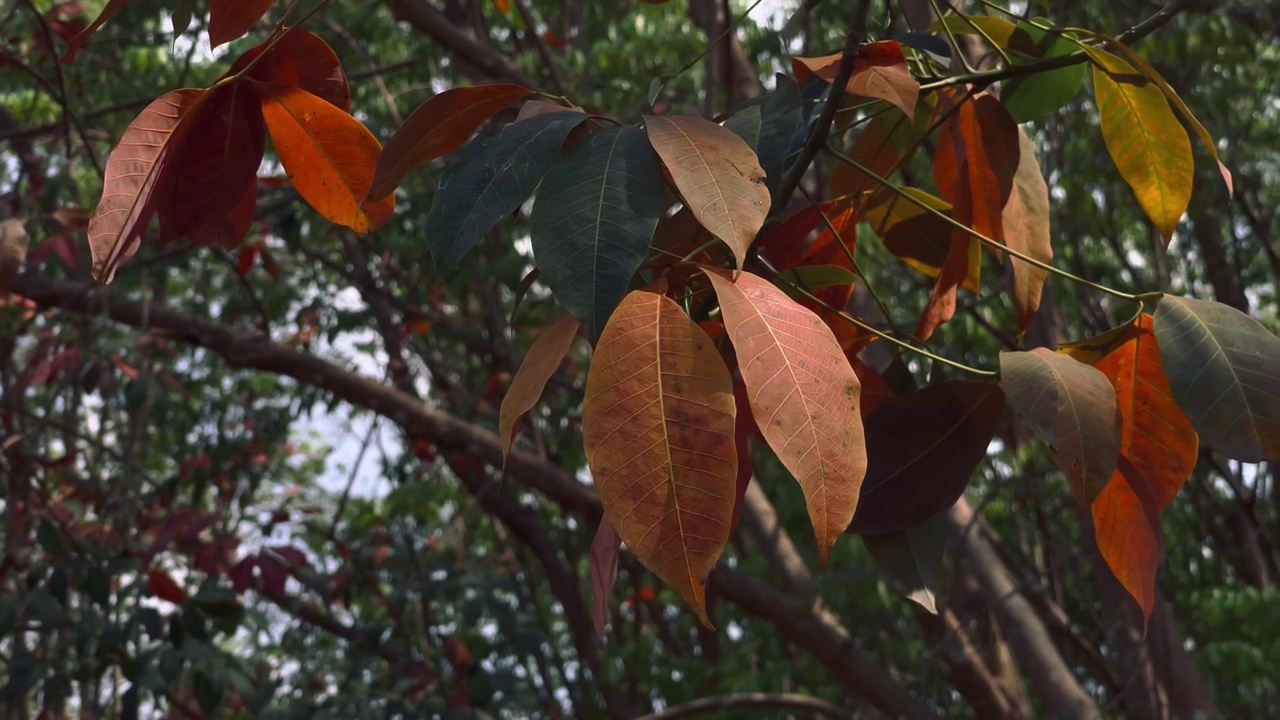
1224	370
490	180
593	220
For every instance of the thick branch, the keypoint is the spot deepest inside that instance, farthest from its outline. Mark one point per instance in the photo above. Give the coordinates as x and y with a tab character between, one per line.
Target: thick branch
778	701
427	19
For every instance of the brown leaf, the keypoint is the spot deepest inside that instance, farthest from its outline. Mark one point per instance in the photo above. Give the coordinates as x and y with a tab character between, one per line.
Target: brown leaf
137	168
604	572
438	127
717	174
328	154
881	72
1073	408
803	394
230	19
1025	221
539	365
299	59
658	425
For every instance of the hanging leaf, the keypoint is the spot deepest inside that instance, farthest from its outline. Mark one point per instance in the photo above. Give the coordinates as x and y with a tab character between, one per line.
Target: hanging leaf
744	431
879	71
1224	369
658	428
1158	450
913	559
768	127
820	277
604	572
1172	96
490	181
1072	407
915	474
886	141
1148	144
1025	222
136	170
299	59
79	39
219	164
539	365
230	19
803	394
593	220
717	174
1002	33
917	236
328	155
1038	95
438	127
787	244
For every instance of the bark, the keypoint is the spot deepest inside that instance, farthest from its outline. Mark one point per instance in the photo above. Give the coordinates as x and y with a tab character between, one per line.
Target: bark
430	21
728	65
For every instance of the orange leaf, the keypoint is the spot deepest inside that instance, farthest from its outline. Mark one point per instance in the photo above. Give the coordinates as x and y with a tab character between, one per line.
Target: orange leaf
134	175
604	572
219	163
881	72
976	160
229	19
328	155
75	43
438	127
300	59
915	234
539	364
658	425
964	254
1159	444
165	587
717	174
803	394
873	148
1025	221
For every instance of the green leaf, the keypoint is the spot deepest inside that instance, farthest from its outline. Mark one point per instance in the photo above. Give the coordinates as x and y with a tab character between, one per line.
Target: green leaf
1039	95
915	474
1148	143
593	220
1224	370
768	126
913	559
490	180
1073	408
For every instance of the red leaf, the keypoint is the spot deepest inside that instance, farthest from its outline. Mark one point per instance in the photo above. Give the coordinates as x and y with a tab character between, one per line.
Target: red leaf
226	136
137	170
244	261
273	574
164	587
875	391
73	46
438	127
242	575
328	154
604	572
299	59
230	19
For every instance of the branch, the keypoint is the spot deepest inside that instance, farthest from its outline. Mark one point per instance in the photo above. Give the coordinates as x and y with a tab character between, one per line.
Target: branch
428	20
780	701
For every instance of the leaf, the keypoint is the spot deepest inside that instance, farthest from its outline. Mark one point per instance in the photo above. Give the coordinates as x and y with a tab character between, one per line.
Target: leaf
916	236
1025	221
820	277
881	72
1172	96
219	164
490	180
230	19
786	244
539	365
299	59
913	559
803	395
875	391
1072	407
438	127
768	127
658	429
717	174
922	448
13	251
593	220
1224	369
1039	95
1148	144
134	172
999	31
1158	448
163	586
79	39
604	572
328	155
882	145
